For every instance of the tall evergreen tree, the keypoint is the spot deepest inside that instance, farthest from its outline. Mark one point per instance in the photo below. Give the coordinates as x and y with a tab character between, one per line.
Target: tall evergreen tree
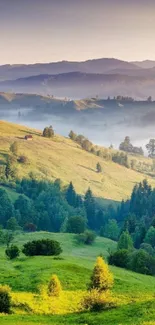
71	195
125	241
90	207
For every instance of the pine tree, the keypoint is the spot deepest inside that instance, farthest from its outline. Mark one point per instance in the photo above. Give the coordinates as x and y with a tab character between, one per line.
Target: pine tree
90	209
9	170
71	195
54	286
102	278
125	241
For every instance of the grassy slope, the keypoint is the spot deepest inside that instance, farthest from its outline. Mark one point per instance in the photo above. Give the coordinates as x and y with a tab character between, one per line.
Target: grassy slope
135	291
64	159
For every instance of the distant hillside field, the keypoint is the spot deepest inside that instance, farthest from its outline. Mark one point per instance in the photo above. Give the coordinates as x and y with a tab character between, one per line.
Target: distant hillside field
62	158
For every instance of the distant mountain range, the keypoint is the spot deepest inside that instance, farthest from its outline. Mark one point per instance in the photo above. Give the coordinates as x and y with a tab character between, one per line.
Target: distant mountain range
146	64
102	77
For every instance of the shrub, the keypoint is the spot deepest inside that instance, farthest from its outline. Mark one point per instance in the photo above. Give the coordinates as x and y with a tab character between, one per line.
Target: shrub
119	258
102	278
23	160
96	301
88	237
30	227
54	286
5	299
12	252
45	247
141	262
14	148
99	168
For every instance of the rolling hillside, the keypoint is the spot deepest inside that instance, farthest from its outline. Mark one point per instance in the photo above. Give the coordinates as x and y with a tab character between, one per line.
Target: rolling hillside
133	292
62	158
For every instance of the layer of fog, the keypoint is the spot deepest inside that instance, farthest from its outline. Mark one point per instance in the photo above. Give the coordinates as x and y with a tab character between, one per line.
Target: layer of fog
100	129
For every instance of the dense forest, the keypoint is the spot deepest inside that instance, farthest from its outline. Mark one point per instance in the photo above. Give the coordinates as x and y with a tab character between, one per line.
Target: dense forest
49	206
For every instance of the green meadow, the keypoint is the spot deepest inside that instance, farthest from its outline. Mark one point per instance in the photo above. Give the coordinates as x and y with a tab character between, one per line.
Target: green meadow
134	293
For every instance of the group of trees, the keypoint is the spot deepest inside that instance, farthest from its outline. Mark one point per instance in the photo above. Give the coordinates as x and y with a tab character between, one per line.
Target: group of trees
9	172
119	157
48	132
151	148
49	206
127	146
137	215
136	220
141	260
110	155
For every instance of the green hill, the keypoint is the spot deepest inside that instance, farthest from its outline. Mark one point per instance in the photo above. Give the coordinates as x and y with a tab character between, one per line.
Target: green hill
62	158
134	292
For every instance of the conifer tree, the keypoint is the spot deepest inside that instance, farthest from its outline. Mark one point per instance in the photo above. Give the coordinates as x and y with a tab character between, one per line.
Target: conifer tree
125	241
71	195
54	286
102	278
90	209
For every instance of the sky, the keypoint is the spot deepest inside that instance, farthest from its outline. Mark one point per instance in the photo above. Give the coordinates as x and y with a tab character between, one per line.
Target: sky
33	31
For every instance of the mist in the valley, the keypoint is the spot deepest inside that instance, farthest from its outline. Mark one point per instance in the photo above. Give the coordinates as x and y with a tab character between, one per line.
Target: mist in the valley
101	129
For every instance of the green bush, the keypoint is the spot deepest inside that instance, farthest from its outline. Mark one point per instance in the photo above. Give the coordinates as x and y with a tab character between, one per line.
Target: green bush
12	252
119	258
88	237
45	247
140	261
23	160
5	299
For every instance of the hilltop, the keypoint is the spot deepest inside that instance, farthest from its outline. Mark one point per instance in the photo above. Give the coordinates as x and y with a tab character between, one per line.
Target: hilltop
62	158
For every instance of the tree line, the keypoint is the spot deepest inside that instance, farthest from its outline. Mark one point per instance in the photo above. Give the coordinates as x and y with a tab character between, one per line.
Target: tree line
50	206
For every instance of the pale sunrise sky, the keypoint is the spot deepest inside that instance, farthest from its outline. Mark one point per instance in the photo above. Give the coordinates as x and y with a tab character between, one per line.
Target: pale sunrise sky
53	30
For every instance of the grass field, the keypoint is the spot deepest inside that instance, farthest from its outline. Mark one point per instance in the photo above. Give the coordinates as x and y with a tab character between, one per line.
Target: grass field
62	158
135	293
